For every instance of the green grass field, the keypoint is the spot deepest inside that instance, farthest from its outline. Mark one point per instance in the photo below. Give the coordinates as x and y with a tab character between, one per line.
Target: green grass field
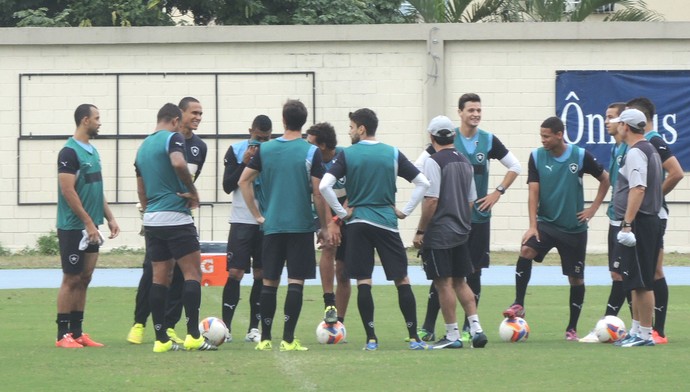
546	362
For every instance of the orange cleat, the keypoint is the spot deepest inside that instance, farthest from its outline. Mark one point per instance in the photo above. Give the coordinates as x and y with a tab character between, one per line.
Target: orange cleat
86	341
658	339
67	342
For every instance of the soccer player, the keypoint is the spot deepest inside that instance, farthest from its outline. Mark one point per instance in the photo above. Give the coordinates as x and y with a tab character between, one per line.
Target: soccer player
195	153
290	170
371	168
637	201
479	147
245	237
673	174
618	295
81	208
323	136
444	230
167	193
557	217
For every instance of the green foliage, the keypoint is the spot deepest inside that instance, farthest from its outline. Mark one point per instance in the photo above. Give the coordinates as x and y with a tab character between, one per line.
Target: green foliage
27	251
39	18
559	10
4	251
455	11
48	244
126	250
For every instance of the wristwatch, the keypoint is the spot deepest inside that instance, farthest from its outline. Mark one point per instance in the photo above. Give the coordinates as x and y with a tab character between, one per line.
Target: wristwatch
625	224
501	189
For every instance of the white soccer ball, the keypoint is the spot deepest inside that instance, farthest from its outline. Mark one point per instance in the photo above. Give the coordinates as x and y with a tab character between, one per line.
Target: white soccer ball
513	330
330	333
213	329
610	329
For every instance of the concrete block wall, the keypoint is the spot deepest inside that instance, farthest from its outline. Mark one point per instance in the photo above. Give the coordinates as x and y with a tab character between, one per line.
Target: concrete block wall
385	68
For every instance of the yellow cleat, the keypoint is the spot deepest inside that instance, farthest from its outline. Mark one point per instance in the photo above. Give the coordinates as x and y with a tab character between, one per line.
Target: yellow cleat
294	346
136	334
173	336
159	347
199	344
264	345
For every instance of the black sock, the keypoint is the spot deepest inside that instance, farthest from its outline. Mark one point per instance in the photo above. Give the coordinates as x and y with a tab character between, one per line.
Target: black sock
577	298
660	305
523	273
157	297
292	309
231	297
329	299
408	307
616	299
432	309
474	280
62	322
365	303
191	298
341	319
268	310
254	304
75	320
142	310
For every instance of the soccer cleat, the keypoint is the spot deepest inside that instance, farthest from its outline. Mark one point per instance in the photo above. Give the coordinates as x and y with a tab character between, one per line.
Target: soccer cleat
571	335
67	342
86	341
479	340
624	340
228	336
173	336
423	334
637	341
658	339
419	345
590	338
294	346
159	347
199	344
330	315
515	310
445	343
264	345
136	334
466	337
372	345
254	335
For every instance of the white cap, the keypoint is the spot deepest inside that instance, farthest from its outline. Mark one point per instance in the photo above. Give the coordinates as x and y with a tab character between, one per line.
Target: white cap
441	126
632	117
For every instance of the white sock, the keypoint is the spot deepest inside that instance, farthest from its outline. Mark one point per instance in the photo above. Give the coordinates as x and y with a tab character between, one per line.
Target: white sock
645	332
452	332
634	328
474	324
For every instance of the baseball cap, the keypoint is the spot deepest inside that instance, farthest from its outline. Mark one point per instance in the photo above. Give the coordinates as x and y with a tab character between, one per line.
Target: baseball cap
632	117
441	126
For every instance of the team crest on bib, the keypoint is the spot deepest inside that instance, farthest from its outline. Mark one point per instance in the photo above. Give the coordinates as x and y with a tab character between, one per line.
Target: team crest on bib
619	159
73	259
574	167
480	157
195	151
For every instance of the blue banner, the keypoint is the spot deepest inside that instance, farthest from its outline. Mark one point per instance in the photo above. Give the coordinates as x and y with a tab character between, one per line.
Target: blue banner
583	96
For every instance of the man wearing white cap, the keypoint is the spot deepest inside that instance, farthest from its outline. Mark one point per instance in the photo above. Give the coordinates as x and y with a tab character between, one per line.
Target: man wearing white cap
444	230
637	201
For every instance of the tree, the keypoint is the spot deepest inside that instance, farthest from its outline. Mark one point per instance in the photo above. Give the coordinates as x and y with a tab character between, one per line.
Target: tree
455	11
579	10
39	18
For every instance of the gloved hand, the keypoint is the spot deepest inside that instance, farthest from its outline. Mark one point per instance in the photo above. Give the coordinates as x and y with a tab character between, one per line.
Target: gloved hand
627	238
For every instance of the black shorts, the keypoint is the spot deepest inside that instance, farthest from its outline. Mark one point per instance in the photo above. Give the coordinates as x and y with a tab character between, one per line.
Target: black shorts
572	247
447	263
479	245
244	247
614	259
71	258
638	263
294	249
171	242
362	239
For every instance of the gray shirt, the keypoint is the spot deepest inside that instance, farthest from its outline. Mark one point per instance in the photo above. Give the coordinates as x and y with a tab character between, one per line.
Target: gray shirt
452	182
641	166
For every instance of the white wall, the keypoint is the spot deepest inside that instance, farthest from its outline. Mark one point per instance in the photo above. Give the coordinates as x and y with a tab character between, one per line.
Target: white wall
384	67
